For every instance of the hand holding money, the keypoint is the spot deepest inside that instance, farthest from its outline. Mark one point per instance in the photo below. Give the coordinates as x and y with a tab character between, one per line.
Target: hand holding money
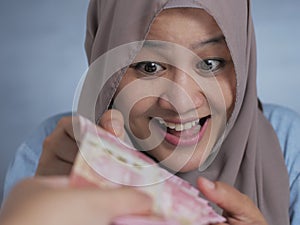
107	162
60	147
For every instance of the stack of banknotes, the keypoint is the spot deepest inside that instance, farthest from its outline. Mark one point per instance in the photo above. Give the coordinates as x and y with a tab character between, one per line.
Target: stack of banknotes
107	162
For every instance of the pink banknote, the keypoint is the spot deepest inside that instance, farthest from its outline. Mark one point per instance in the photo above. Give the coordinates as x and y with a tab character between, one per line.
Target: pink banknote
107	162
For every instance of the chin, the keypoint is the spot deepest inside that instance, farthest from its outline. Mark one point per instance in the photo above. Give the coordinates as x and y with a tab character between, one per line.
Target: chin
181	162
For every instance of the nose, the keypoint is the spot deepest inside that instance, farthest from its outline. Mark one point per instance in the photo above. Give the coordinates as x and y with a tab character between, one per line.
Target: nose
183	94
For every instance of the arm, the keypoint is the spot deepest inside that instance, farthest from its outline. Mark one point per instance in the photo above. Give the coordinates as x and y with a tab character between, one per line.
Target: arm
286	124
27	155
51	201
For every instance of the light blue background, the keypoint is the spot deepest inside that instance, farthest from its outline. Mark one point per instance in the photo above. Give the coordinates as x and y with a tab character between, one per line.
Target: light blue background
42	59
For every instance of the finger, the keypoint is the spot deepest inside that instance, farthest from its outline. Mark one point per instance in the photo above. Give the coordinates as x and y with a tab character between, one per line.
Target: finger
53	181
127	201
228	198
63	139
67	124
113	121
58	155
40	183
61	146
55	167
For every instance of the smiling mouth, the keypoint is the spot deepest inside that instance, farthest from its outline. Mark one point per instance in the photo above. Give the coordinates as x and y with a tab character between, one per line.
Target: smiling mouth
183	134
184	126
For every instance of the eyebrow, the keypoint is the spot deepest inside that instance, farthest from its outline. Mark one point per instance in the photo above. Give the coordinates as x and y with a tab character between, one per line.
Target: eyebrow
154	44
214	40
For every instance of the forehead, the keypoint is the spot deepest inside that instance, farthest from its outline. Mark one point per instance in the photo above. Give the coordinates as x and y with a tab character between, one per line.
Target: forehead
183	26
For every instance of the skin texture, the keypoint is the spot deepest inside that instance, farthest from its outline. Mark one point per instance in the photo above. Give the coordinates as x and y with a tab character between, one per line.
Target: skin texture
33	200
187	28
239	207
51	201
226	197
60	149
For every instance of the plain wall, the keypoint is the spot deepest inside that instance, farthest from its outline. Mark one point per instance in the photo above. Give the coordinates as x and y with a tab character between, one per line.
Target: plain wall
42	59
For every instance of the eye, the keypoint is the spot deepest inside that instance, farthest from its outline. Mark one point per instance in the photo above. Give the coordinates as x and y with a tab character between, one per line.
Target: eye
210	65
148	68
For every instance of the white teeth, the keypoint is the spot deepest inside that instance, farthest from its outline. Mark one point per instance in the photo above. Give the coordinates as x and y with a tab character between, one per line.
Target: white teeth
179	126
188	126
171	125
161	121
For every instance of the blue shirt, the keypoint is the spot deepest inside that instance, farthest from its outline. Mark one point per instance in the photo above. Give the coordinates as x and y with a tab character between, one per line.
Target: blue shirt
285	122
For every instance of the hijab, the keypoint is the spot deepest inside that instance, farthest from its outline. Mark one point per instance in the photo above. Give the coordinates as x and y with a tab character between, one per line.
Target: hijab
249	158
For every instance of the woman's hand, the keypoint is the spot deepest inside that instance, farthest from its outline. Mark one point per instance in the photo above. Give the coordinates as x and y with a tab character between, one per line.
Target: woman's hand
51	201
238	208
60	147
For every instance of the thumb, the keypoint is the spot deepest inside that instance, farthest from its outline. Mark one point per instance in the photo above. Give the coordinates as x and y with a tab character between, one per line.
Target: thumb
236	205
126	201
113	122
52	181
221	194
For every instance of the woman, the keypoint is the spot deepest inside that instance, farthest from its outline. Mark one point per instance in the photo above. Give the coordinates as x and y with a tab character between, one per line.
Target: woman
207	119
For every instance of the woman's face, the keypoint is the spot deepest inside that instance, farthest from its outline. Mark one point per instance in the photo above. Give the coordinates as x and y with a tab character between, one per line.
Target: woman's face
179	109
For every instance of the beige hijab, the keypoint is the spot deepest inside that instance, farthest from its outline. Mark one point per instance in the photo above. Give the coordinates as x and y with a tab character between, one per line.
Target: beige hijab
250	158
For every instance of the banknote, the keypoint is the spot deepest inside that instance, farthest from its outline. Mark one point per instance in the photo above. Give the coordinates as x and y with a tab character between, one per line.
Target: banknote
106	161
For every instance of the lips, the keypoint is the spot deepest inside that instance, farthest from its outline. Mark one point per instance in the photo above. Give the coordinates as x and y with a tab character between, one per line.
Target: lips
183	134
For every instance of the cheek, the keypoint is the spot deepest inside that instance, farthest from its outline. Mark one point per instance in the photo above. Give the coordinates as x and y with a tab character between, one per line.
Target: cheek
127	78
126	98
139	118
141	108
228	85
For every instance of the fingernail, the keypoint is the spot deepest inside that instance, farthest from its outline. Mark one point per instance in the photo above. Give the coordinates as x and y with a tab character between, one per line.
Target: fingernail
207	183
116	126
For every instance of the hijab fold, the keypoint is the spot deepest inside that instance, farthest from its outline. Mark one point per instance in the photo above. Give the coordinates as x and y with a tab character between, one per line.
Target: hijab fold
250	158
